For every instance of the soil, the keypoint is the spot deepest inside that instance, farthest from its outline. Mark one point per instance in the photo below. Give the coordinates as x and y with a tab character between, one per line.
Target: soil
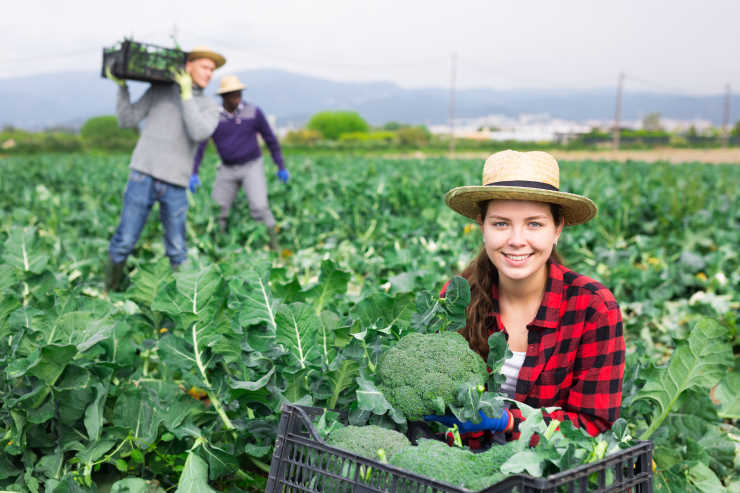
715	156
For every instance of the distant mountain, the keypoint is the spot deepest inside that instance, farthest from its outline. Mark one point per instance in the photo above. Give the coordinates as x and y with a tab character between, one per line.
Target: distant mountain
69	98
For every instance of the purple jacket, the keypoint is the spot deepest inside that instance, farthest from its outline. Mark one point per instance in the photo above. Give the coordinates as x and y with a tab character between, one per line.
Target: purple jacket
236	137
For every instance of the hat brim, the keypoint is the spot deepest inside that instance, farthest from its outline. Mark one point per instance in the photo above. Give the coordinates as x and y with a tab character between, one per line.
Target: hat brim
238	87
219	60
576	209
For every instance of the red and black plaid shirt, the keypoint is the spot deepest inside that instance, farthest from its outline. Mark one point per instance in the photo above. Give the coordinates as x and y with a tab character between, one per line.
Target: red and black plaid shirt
575	353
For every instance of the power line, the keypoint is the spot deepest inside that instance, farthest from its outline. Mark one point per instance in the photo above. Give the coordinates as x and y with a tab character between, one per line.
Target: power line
46	57
658	85
501	67
323	62
497	70
55	56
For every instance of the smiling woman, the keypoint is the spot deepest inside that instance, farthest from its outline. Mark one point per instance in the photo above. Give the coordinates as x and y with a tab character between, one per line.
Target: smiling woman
564	329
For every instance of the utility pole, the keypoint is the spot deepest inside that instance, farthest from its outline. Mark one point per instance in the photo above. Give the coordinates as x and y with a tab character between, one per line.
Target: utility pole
618	112
726	118
453	70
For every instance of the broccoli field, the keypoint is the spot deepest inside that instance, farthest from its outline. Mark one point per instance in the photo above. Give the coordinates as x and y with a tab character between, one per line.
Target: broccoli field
175	384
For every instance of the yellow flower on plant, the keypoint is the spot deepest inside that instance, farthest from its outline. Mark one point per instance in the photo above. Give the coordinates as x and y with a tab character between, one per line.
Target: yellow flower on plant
701	276
197	393
653	261
468	228
163	330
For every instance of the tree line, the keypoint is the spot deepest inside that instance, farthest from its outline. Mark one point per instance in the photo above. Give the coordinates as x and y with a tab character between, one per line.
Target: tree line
347	130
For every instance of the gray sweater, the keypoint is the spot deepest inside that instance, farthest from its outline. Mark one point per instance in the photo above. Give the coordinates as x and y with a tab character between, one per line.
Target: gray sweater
172	130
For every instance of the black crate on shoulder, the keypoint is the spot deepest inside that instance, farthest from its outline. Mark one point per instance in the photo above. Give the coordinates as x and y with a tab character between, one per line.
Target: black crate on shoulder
303	462
145	62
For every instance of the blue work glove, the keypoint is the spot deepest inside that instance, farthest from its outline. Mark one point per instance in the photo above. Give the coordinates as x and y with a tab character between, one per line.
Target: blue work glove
486	423
283	175
194	182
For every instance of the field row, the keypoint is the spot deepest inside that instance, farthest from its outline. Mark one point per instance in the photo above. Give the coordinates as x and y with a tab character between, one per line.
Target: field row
198	363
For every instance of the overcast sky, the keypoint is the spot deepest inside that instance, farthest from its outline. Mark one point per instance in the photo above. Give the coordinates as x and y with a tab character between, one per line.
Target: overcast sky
661	45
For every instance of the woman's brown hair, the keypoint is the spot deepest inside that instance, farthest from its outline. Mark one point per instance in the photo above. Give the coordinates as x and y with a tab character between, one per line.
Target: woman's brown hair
482	275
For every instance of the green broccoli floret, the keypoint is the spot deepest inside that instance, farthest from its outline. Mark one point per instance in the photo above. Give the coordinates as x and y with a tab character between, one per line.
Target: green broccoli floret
421	374
367	440
454	465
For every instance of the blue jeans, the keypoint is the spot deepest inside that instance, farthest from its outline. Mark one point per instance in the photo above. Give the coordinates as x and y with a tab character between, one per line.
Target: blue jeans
141	192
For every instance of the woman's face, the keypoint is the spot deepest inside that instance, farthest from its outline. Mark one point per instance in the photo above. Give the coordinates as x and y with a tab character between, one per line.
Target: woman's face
519	236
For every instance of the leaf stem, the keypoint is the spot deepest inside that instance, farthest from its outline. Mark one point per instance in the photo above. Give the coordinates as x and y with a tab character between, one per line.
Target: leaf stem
110	455
209	389
260	465
220	410
550	431
659	420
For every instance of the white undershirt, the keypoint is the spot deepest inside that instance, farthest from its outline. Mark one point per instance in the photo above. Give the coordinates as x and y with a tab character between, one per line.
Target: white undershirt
511	372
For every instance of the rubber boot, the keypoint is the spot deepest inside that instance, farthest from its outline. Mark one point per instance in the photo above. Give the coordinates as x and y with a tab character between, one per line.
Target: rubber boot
272	233
114	274
223	225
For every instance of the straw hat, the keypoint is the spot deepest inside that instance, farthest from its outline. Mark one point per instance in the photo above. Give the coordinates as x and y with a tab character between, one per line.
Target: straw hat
205	52
512	175
230	83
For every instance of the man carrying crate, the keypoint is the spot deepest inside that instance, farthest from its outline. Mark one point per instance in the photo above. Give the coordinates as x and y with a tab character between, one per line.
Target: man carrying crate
178	116
241	157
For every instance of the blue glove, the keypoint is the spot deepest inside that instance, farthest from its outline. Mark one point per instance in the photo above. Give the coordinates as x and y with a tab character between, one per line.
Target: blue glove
486	423
283	175
194	182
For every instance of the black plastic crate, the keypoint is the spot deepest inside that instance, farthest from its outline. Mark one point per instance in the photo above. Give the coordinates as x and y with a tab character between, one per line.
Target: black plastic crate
134	60
302	462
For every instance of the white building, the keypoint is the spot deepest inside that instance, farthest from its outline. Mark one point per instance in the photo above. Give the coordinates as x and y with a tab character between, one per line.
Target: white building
543	127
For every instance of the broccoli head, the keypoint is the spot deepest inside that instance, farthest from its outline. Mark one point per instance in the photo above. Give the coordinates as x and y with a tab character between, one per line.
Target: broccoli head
367	440
454	465
422	373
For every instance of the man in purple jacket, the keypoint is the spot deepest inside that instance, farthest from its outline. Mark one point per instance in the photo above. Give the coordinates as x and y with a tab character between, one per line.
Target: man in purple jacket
241	158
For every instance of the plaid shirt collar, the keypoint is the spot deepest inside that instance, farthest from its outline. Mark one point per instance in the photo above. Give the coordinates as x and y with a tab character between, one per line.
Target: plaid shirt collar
548	315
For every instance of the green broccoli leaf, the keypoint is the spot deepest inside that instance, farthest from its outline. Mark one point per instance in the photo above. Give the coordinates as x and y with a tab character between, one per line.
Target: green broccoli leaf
700	362
435	314
369	398
22	250
194	478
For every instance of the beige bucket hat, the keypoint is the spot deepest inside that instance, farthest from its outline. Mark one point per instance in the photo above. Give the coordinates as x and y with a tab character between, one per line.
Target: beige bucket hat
205	52
230	83
512	175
